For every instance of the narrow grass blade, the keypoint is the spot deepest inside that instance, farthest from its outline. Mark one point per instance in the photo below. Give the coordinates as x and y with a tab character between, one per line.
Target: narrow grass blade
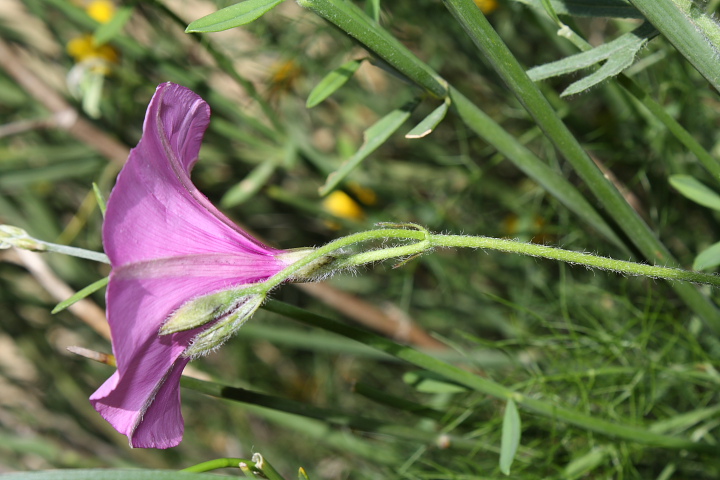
587	463
233	16
90	289
99	198
551	410
510	440
332	82
693	189
250	185
107	474
428	124
373	138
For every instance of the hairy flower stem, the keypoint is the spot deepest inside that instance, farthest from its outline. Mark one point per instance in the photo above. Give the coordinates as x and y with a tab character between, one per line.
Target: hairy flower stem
424	241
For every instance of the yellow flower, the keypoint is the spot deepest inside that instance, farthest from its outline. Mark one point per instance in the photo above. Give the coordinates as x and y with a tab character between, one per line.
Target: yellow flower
487	6
83	49
342	205
101	10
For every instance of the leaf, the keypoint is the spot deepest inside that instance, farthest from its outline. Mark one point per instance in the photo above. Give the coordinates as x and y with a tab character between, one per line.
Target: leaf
105	474
373	138
372	9
691	188
708	258
619	54
332	81
587	463
233	16
429	123
92	288
99	199
510	436
107	31
250	185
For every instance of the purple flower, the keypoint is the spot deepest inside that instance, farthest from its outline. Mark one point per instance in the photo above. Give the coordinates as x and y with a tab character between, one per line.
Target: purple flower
168	245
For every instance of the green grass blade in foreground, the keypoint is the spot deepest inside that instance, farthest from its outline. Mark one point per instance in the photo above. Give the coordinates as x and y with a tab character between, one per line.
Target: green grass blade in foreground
332	81
353	21
327	415
106	474
506	65
486	386
692	32
511	431
373	137
233	16
92	288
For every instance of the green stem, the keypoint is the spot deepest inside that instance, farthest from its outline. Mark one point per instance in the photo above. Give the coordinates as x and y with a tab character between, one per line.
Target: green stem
75	252
425	241
576	258
217	464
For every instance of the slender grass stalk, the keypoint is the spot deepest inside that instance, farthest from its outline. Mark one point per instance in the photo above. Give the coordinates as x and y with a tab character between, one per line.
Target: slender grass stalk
217	464
488	387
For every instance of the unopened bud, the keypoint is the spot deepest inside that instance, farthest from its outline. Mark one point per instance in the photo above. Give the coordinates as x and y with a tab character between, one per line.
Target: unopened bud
221	331
11	236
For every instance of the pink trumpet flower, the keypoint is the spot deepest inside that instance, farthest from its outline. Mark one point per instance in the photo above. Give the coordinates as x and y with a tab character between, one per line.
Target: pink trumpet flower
168	246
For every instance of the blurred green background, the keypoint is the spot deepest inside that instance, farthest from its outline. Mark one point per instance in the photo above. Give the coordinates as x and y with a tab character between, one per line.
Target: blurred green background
621	349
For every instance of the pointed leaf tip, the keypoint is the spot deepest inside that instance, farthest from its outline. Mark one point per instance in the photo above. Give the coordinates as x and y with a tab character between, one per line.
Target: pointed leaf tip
332	82
510	436
233	16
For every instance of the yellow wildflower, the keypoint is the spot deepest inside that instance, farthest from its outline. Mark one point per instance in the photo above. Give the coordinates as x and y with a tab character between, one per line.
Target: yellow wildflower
83	49
487	6
342	205
101	10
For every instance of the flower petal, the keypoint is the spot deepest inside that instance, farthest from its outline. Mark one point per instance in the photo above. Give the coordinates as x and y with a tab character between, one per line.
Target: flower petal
155	211
140	297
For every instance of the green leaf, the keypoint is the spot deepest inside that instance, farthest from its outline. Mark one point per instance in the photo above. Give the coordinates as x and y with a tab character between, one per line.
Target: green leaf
429	382
233	16
510	437
99	199
92	288
107	31
105	474
708	258
373	138
587	463
372	9
429	123
691	188
332	81
619	53
249	186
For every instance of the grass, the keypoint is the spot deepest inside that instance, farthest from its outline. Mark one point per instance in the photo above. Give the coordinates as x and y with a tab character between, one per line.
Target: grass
629	351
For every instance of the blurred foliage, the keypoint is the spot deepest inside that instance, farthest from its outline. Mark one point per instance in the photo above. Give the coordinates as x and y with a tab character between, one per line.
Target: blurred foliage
622	349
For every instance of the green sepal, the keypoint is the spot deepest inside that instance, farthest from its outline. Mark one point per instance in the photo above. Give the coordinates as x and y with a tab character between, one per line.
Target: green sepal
205	309
211	338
